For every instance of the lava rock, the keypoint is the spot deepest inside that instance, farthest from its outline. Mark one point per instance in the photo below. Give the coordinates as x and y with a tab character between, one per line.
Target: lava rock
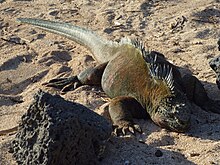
56	131
215	65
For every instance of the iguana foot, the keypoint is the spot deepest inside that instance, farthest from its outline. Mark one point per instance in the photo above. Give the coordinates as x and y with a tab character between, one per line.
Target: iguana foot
122	110
126	127
65	84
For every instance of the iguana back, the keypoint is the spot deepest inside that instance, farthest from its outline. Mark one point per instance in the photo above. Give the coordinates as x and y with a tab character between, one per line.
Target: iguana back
128	74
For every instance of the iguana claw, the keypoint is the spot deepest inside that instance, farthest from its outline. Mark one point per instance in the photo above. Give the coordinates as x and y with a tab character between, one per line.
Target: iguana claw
124	130
137	128
131	129
65	84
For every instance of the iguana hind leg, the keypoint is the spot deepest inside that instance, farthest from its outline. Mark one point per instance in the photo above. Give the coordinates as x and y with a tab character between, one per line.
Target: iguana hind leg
122	110
197	94
90	76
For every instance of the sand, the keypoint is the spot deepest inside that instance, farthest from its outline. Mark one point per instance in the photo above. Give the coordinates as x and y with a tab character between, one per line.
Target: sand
185	31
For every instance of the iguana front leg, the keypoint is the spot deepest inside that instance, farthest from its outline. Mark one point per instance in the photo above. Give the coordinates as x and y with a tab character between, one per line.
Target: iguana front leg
197	94
122	110
90	76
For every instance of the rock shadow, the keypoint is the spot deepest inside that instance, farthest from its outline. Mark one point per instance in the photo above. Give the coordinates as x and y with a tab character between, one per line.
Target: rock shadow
128	147
6	100
52	57
207	33
19	87
13	63
208	15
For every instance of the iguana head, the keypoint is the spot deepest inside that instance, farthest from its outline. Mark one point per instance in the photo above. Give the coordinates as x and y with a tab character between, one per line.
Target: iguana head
173	113
170	106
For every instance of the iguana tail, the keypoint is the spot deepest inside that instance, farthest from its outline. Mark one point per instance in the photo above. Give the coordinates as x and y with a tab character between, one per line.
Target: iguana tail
102	49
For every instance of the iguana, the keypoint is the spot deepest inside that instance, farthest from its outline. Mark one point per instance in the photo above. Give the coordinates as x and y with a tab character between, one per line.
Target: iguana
141	83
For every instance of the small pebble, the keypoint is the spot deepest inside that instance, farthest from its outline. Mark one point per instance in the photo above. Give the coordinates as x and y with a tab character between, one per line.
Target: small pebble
158	153
194	154
127	162
177	50
54	13
141	141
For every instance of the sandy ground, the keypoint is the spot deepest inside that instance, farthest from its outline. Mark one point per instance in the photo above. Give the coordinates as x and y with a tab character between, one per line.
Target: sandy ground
185	31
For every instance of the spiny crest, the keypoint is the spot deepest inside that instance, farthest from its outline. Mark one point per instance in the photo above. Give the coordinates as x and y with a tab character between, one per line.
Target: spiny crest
164	73
156	70
135	42
140	46
125	40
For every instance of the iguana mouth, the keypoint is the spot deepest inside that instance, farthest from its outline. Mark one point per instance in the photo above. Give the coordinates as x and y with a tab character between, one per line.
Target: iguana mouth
171	123
174	115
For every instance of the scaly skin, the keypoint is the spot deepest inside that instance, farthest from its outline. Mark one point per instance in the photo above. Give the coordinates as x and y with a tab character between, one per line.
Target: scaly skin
128	75
140	83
